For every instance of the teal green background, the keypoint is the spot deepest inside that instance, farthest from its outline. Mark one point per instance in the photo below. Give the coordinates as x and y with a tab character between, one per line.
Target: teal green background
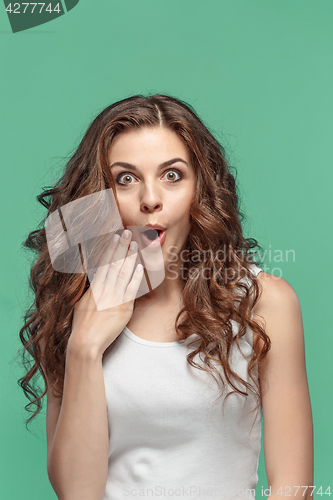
259	73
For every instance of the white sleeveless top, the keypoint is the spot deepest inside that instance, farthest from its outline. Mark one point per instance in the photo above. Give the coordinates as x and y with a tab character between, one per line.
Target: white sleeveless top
167	436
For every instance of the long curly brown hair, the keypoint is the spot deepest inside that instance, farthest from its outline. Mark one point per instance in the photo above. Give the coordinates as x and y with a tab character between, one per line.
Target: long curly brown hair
218	290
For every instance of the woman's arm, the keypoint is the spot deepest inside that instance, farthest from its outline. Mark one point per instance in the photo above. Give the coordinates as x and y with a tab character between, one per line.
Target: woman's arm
78	457
287	415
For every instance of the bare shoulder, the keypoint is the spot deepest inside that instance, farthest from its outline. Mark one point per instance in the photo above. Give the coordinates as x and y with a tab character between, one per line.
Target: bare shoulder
278	310
276	294
278	304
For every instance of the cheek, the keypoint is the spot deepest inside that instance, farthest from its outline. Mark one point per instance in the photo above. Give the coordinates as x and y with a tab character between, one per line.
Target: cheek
178	211
182	205
183	198
125	208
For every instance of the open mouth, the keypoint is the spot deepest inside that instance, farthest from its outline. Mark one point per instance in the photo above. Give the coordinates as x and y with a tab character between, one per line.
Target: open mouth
153	237
152	234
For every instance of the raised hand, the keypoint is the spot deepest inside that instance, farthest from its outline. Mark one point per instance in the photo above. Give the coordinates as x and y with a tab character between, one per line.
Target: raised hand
107	306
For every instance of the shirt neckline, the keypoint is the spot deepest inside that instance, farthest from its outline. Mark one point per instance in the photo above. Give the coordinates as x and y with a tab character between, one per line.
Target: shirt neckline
134	337
150	343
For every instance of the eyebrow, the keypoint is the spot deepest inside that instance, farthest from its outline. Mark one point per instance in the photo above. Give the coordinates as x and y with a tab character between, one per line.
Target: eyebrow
133	167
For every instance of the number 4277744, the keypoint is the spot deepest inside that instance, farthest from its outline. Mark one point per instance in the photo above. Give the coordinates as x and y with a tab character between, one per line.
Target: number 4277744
31	8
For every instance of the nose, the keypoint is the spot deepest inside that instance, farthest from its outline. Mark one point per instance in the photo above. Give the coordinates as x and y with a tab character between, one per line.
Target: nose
150	199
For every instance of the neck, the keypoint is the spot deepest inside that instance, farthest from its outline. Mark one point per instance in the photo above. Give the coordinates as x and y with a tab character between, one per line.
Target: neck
171	288
169	291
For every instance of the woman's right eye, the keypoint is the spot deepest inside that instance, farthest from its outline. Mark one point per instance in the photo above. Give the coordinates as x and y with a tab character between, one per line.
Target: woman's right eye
123	175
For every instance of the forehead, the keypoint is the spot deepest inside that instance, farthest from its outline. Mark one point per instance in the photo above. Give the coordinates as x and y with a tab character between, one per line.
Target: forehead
154	142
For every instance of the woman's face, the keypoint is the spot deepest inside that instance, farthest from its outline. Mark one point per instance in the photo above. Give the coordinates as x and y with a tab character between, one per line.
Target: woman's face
157	184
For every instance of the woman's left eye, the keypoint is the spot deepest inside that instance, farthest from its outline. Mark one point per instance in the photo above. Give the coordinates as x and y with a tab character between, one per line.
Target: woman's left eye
178	173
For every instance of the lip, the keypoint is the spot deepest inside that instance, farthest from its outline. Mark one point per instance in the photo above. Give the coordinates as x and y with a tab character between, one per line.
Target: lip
154	226
153	243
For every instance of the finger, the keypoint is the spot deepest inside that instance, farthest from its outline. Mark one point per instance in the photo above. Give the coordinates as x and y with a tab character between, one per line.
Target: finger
106	258
119	275
125	272
106	290
111	299
114	252
122	247
98	281
118	259
134	284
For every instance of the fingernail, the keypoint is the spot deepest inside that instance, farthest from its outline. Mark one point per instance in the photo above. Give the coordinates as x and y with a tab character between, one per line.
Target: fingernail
133	245
126	234
115	238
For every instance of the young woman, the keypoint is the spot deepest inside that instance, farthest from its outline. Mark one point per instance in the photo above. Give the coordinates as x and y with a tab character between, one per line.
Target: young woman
157	390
